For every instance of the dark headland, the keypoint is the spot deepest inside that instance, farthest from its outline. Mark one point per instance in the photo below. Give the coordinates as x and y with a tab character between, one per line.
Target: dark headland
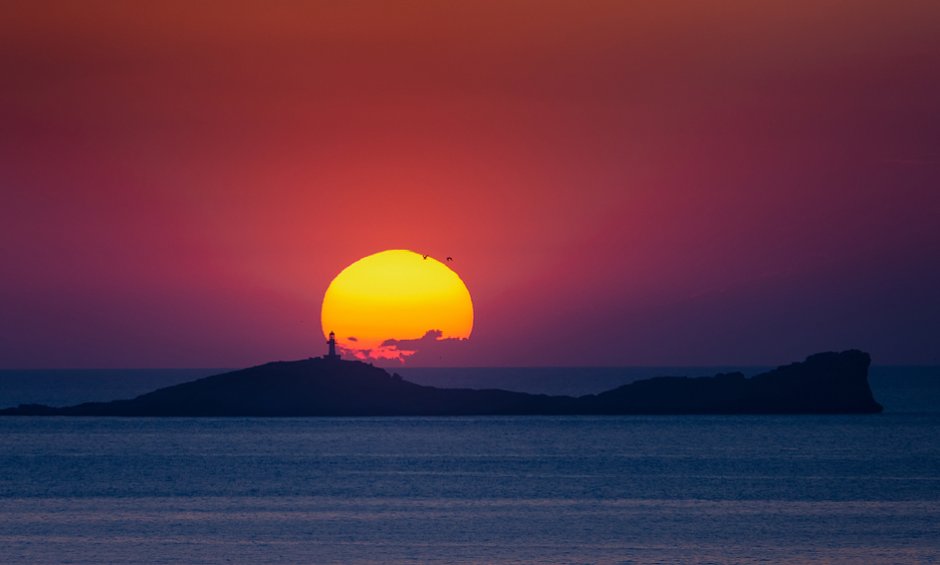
825	383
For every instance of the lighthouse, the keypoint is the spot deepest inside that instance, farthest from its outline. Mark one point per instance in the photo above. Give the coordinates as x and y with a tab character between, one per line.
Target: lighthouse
332	356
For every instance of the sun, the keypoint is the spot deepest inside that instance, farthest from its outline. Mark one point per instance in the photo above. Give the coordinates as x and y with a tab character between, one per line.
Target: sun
395	295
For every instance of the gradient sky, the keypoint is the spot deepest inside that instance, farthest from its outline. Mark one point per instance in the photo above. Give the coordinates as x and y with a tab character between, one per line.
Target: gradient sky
618	182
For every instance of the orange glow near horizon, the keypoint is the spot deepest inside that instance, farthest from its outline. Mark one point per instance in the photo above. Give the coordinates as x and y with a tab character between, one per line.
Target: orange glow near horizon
395	295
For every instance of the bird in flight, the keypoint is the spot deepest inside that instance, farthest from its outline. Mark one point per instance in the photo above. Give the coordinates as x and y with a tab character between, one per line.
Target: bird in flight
450	258
425	257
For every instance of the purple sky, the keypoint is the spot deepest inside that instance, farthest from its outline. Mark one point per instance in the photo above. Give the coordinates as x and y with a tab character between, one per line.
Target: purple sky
619	184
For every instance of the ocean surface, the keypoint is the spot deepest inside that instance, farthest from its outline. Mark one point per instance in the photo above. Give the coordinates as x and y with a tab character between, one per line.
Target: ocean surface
640	489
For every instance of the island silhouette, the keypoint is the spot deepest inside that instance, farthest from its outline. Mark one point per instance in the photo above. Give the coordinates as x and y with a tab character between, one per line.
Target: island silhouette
825	383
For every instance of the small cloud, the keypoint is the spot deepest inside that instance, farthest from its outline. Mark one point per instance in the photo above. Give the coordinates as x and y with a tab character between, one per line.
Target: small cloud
432	345
352	338
359	354
429	337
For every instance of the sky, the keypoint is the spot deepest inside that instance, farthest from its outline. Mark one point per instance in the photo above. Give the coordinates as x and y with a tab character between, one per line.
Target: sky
619	183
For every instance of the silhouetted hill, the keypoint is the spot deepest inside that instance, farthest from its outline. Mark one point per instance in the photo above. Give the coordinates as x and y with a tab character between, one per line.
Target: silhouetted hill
824	383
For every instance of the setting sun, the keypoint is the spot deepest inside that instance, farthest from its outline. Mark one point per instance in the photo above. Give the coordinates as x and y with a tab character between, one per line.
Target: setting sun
391	296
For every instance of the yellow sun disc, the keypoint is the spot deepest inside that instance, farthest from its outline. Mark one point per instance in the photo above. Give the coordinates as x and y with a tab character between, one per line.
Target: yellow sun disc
395	295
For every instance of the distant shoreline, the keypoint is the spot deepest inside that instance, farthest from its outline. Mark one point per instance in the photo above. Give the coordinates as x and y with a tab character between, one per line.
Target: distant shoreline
823	383
900	388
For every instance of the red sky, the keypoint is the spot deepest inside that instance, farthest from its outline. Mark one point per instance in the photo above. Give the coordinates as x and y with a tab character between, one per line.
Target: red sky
619	183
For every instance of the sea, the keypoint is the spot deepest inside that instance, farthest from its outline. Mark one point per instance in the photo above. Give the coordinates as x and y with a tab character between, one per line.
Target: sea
589	489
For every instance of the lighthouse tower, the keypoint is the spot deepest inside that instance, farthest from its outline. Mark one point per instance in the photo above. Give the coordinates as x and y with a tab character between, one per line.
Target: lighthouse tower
332	356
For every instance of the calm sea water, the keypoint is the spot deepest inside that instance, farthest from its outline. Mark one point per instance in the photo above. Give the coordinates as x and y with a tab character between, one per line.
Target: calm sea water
904	389
696	489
